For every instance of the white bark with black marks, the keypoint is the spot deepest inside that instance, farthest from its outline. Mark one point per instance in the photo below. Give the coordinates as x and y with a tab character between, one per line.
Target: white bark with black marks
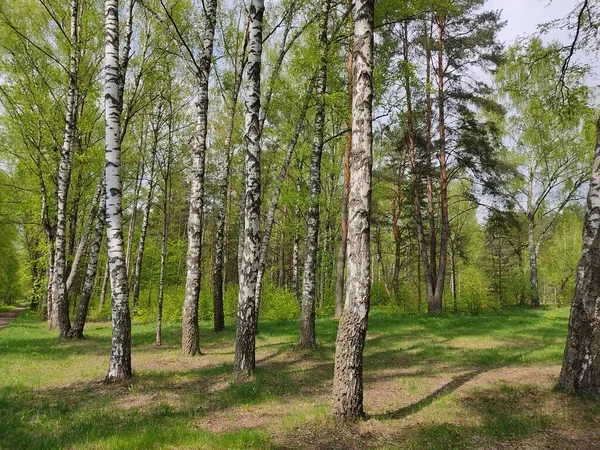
139	256
60	309
90	272
308	338
190	341
83	240
352	330
245	342
219	246
580	372
120	356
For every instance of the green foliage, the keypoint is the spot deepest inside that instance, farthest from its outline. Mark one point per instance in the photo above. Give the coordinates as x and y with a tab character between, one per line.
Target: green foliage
474	289
278	303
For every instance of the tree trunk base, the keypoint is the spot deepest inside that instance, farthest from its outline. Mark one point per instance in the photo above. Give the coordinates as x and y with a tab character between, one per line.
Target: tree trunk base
75	334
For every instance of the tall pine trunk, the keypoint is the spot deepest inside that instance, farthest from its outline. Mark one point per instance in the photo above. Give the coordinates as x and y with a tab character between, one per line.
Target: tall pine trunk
427	269
436	306
190	342
120	355
580	372
245	342
60	297
352	330
308	338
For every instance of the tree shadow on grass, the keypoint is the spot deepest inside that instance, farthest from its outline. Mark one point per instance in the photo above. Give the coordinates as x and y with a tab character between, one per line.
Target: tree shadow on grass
448	388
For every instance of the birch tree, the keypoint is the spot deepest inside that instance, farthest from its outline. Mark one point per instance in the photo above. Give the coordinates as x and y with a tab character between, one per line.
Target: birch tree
190	342
224	186
580	372
352	330
60	310
120	356
308	338
245	341
76	330
544	134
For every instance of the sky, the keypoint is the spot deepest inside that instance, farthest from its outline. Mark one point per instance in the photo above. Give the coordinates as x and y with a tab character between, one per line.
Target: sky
523	16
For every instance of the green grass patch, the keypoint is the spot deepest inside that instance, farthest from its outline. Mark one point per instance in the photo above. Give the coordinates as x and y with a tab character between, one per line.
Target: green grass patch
51	395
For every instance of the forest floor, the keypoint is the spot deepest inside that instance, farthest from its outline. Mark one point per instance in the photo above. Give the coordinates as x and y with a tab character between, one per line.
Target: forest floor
482	381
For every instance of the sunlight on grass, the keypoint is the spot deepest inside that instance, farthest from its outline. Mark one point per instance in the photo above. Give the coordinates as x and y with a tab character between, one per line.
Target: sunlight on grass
456	381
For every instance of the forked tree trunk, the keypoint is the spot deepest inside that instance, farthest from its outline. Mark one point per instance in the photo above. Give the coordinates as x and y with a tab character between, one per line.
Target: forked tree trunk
76	331
220	230
85	236
352	330
190	341
60	308
341	260
120	356
245	341
580	372
308	338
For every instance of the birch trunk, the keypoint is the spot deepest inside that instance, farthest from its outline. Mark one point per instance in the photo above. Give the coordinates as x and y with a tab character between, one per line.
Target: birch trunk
308	337
533	266
60	308
76	331
190	341
352	330
341	261
163	254
219	247
245	342
138	184
51	258
49	230
139	256
120	356
295	264
84	237
104	284
580	372
281	257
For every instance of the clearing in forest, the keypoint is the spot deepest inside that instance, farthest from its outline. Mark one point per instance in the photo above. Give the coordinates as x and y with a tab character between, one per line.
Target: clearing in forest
457	381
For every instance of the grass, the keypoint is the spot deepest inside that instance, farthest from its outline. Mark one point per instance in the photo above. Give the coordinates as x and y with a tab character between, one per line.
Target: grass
456	381
6	308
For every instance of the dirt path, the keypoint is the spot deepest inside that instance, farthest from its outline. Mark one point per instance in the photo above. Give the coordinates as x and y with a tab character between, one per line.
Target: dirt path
8	316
